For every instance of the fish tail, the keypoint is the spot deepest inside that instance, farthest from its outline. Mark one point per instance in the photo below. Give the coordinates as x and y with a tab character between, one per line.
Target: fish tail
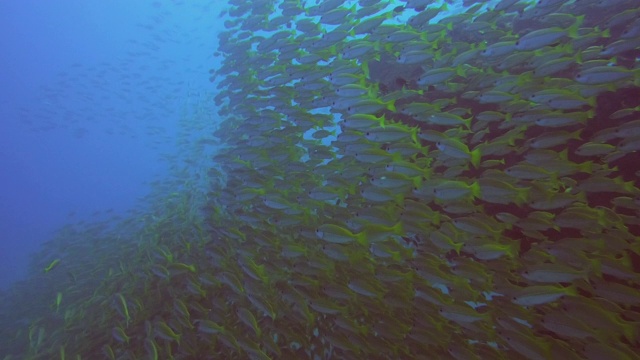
475	158
595	267
457	246
573	30
399	199
586	167
630	187
630	332
382	120
467	122
391	105
361	238
417	181
522	196
414	135
578	57
475	189
365	68
398	228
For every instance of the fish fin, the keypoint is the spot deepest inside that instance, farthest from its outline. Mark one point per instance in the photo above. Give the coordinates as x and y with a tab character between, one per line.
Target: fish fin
391	105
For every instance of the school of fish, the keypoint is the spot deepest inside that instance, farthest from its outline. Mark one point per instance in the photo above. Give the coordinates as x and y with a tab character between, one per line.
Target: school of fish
395	180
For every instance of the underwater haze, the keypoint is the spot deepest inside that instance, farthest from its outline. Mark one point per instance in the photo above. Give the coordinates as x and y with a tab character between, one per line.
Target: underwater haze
321	179
91	95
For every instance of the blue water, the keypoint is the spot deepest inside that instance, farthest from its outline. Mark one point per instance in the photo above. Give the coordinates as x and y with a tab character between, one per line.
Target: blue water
91	95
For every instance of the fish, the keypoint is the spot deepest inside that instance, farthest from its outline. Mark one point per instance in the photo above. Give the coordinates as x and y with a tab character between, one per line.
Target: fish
163	331
52	265
461	313
119	335
541	294
605	74
543	37
151	349
363	175
458	149
249	319
58	301
122	307
209	327
338	235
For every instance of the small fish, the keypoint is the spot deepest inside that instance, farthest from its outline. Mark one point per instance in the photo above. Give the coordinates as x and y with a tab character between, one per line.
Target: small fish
209	327
391	133
53	264
541	294
108	353
58	301
457	149
455	190
547	36
553	273
119	334
337	234
326	306
605	75
594	149
366	287
122	307
151	349
436	76
162	330
370	106
461	314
